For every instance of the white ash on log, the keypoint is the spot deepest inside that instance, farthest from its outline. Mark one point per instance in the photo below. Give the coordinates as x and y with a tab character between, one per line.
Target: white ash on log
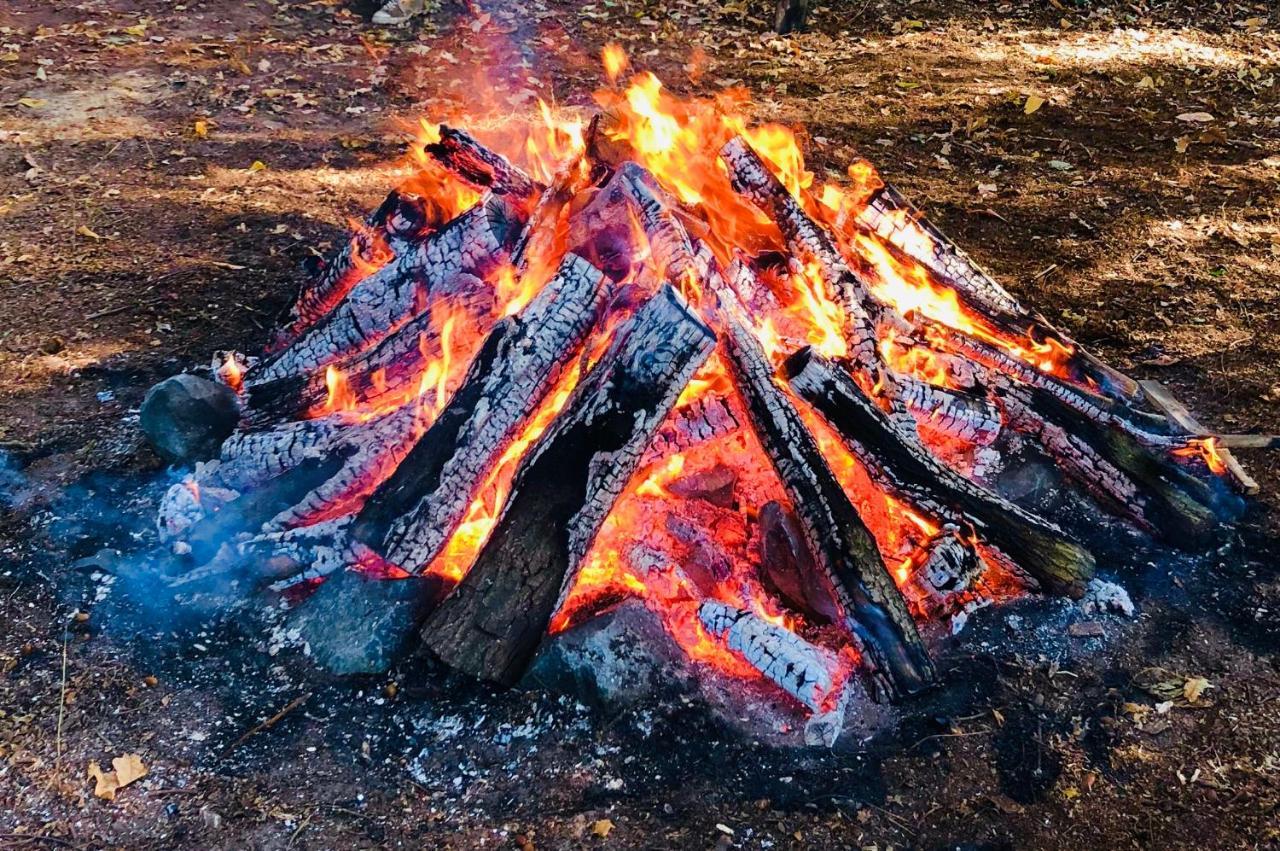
899	464
453	258
410	518
385	234
492	623
873	610
801	669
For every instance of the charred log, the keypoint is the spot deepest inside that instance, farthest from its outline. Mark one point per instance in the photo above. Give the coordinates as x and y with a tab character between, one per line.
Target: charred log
898	462
493	622
873	610
410	518
787	569
457	255
459	153
1151	489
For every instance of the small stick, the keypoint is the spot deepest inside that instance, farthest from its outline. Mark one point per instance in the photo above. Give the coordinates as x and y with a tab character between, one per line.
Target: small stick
268	724
62	694
1168	405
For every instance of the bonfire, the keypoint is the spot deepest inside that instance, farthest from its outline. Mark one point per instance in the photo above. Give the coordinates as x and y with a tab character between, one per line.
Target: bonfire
648	356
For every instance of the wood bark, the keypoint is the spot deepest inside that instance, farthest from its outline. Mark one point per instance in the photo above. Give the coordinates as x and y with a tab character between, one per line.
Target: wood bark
875	613
898	463
452	258
411	517
492	624
954	268
462	155
1149	488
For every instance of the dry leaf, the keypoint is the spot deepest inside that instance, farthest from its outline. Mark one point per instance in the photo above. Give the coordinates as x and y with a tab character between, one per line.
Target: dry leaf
128	769
1181	144
201	129
85	230
258	165
1194	687
1195	117
31	103
602	827
1033	103
1146	83
138	30
104	782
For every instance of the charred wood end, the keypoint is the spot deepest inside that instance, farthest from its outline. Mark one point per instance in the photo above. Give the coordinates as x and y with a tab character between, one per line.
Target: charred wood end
874	610
493	622
1036	546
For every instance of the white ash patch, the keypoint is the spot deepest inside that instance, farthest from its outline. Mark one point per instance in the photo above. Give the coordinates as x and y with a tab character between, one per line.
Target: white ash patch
1101	596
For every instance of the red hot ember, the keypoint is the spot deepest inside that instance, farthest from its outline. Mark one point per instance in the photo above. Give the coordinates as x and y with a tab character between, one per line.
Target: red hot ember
651	356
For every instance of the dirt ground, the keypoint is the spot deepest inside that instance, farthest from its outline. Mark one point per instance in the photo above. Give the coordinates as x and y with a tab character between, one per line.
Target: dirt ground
165	167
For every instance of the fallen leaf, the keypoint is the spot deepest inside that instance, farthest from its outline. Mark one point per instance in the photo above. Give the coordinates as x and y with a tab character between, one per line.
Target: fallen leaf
1181	144
1145	83
1033	103
31	103
1194	687
200	128
129	768
105	783
1060	165
1195	117
602	827
85	230
258	165
138	30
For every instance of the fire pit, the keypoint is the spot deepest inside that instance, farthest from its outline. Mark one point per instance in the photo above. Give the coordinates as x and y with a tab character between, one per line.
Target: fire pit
644	380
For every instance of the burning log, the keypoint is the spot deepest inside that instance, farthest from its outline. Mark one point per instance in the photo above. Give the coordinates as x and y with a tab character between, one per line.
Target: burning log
787	568
466	249
386	233
702	419
459	153
392	367
948	413
890	216
900	465
801	669
492	623
1152	490
410	518
873	610
810	243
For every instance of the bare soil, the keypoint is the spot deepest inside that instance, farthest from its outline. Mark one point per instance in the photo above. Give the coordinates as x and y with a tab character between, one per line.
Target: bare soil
135	241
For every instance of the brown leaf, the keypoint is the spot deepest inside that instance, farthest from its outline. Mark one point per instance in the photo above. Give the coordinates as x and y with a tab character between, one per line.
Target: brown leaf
85	230
602	827
129	768
1033	103
1194	687
104	782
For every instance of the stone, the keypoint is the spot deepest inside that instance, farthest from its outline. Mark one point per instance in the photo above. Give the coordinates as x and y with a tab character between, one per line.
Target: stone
186	418
356	624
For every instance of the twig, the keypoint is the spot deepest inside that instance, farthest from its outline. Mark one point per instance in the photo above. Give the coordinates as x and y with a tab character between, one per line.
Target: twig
268	724
39	837
62	693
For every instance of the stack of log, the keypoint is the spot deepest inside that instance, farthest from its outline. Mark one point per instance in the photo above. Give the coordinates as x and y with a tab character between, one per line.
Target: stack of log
630	304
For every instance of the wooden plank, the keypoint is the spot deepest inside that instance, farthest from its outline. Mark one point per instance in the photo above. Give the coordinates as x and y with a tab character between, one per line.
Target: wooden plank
1163	400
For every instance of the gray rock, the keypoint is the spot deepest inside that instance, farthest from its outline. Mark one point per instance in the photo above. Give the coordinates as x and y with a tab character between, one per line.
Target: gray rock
186	417
358	625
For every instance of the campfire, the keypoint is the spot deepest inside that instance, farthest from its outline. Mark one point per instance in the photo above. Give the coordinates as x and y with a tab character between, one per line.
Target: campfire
648	359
